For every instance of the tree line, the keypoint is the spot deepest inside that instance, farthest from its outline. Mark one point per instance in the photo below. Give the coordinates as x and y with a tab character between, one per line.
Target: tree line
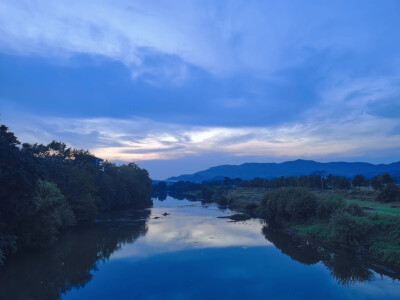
312	181
47	188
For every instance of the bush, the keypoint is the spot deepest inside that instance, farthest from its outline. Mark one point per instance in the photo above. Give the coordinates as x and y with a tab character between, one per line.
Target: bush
355	210
391	193
346	229
289	204
327	207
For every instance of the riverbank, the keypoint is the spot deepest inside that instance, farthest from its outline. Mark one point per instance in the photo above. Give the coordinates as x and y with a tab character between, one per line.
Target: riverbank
345	218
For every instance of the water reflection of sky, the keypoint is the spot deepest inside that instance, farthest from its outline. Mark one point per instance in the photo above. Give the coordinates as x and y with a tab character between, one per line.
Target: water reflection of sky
191	226
191	254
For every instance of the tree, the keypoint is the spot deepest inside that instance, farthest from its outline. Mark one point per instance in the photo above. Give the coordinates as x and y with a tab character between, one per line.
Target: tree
380	181
358	180
376	182
51	213
391	193
206	193
17	179
44	188
386	178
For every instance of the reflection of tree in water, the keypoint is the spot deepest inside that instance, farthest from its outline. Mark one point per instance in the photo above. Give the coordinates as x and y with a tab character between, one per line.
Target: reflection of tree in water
345	265
183	196
161	196
70	262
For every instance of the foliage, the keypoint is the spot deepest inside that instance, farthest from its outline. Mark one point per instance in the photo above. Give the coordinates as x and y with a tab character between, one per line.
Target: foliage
391	193
51	213
355	210
46	188
289	204
347	229
359	181
327	207
312	181
380	181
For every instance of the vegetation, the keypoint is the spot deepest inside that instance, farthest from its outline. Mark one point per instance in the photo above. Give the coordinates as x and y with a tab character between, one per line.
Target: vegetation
363	215
391	193
343	263
47	188
347	222
359	181
289	204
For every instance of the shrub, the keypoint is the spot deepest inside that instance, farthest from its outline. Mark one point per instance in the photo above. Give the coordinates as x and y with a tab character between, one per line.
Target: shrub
327	207
289	204
346	229
354	209
391	193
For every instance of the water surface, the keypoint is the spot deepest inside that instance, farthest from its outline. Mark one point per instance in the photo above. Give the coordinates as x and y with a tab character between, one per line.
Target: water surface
189	254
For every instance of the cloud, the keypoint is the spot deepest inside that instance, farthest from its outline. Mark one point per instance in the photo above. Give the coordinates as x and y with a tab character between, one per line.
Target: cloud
206	231
168	80
234	37
144	139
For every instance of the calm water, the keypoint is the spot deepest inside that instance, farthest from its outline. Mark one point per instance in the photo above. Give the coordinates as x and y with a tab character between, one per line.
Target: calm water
189	254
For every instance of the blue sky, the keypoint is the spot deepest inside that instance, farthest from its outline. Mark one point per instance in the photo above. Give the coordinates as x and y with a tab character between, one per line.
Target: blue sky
179	86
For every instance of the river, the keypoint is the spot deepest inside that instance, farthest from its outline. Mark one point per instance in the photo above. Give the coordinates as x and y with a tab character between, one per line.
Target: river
189	254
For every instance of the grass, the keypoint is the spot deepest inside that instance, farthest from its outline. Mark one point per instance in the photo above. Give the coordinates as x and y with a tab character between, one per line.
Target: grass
372	207
246	194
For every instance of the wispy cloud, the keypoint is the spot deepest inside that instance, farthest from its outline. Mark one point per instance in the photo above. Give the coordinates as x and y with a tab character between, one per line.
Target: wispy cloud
167	80
143	139
260	37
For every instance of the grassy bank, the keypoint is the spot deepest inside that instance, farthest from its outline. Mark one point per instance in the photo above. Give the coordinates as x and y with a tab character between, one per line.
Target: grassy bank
351	218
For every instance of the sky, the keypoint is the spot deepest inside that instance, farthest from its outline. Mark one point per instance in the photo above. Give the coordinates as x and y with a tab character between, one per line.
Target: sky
180	86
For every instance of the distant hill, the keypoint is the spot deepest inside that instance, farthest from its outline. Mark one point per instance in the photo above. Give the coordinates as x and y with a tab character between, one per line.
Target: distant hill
291	168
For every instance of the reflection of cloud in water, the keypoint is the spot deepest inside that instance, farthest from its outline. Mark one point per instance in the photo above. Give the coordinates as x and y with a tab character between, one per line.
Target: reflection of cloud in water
192	226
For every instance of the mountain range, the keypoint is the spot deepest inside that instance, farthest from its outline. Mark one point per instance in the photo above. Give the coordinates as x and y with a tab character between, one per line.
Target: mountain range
298	167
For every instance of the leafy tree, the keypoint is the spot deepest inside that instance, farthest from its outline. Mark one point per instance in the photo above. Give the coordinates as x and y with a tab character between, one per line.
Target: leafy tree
391	193
386	178
52	213
340	182
376	182
358	181
380	181
45	188
17	179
